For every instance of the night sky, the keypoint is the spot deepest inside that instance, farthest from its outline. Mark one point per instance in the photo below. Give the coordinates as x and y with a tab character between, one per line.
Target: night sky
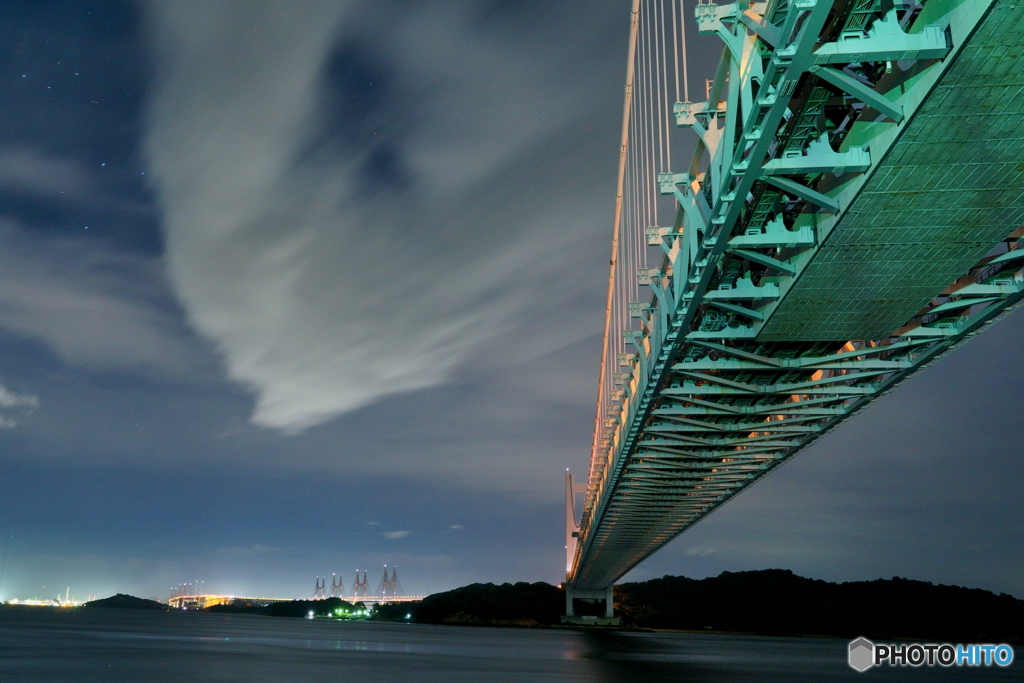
295	288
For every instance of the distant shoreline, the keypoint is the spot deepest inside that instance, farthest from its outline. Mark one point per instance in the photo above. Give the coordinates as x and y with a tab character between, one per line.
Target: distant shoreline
771	602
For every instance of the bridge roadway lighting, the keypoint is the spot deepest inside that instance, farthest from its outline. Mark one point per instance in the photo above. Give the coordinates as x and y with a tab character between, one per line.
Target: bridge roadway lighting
820	250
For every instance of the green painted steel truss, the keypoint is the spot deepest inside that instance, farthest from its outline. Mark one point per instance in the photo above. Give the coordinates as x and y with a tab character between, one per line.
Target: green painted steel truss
824	249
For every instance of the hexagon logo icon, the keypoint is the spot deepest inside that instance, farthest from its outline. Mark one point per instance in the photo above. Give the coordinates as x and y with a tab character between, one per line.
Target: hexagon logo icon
862	654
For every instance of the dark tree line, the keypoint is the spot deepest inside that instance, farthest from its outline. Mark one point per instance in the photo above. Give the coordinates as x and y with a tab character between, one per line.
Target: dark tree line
292	608
768	602
522	604
778	602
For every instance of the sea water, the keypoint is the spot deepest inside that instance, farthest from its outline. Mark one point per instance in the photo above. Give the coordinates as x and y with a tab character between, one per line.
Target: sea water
54	646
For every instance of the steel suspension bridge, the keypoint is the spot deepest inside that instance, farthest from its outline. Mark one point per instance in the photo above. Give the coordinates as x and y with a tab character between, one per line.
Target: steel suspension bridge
851	209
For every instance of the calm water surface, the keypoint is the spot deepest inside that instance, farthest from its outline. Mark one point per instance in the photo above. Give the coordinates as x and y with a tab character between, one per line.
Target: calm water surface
124	645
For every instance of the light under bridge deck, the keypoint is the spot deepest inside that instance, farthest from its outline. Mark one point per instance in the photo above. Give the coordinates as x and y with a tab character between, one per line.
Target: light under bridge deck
852	212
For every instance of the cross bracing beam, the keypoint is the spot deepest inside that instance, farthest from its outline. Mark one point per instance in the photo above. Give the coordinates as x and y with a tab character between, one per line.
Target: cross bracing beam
675	406
785	390
682	483
726	384
793	425
655	471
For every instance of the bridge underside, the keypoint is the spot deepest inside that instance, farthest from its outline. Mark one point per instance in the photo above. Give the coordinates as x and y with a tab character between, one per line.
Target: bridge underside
950	188
827	286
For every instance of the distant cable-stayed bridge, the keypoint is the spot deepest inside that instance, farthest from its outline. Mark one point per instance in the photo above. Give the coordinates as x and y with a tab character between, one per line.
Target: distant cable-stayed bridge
210	600
851	209
389	590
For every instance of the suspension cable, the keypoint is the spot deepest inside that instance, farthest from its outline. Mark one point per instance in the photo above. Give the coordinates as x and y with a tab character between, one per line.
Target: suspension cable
686	66
617	224
675	47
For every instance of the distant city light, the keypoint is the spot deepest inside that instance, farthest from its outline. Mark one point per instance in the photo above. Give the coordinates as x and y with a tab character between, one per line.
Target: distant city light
43	603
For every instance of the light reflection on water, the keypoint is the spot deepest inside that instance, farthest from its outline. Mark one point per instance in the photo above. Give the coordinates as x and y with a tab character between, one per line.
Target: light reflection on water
115	645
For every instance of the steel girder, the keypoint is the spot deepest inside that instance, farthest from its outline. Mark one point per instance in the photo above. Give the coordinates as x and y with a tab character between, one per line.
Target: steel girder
710	401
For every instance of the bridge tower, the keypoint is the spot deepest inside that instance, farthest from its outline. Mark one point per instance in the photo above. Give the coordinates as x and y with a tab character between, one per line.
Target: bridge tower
359	587
572	533
321	588
395	585
337	585
389	587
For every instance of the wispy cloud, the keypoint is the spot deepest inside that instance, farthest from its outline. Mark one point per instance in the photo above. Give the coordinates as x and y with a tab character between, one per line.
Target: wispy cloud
27	169
93	307
339	246
248	550
395	534
14	407
9	399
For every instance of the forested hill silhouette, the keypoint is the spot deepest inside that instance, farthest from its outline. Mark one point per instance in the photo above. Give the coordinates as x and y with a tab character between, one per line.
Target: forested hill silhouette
778	602
122	601
769	602
520	604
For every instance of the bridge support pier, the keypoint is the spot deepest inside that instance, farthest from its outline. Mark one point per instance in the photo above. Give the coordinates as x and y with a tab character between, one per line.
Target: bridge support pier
606	595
